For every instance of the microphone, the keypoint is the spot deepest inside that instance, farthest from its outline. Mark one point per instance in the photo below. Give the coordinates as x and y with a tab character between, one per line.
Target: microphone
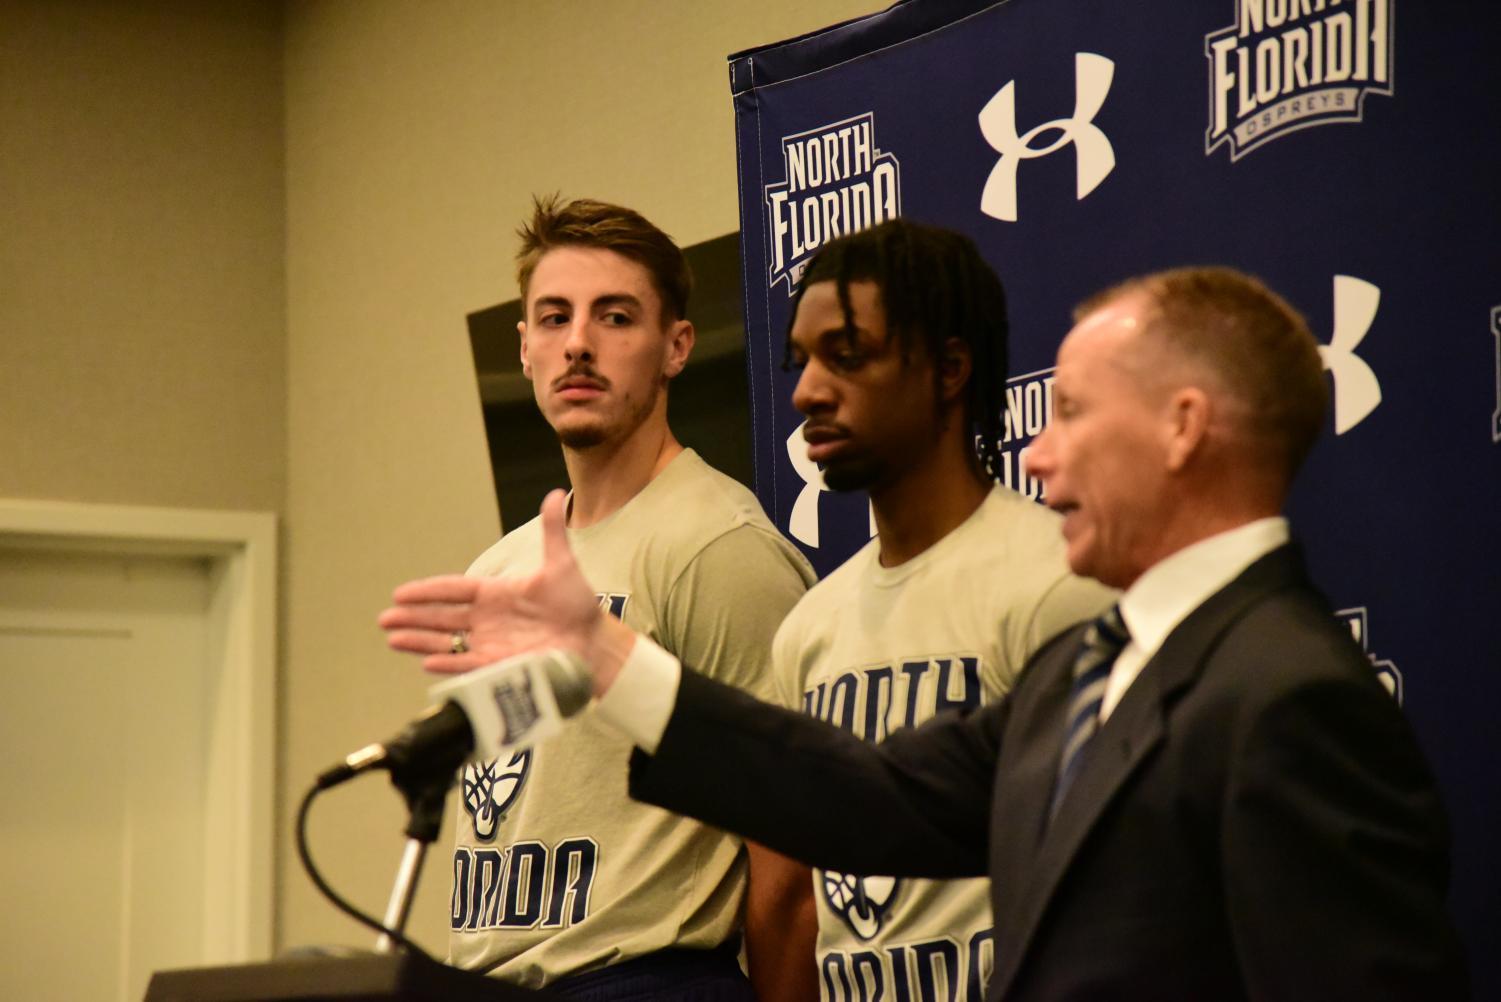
484	713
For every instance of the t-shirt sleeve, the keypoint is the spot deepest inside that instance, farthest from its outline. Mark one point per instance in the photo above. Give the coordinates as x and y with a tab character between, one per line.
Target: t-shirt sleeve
1068	600
786	666
723	610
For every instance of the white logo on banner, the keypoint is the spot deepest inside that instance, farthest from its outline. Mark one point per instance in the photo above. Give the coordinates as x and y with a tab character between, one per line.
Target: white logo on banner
1496	414
1356	389
1387	672
835	181
803	524
1287	65
1095	157
1029	409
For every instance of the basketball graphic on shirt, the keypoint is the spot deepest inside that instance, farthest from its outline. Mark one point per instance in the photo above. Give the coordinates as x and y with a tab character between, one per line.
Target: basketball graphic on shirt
490	788
863	902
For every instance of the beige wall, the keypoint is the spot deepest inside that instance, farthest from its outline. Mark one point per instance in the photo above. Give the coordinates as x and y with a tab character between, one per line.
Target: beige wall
142	325
194	313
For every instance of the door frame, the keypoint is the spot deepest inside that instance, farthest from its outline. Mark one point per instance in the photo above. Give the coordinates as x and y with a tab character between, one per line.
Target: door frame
239	807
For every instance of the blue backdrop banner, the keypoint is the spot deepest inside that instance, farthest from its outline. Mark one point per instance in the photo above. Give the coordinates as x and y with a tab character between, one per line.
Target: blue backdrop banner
1345	151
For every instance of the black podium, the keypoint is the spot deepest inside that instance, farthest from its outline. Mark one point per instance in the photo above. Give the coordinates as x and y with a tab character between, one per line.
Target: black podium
378	977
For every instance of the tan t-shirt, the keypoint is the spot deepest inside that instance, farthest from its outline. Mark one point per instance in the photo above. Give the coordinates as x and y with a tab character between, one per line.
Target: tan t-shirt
556	870
873	649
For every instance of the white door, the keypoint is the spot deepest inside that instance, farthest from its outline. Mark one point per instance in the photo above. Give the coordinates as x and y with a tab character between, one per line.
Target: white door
105	683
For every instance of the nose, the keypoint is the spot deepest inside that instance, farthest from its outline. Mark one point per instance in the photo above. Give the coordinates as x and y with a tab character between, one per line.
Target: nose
1038	460
578	343
812	392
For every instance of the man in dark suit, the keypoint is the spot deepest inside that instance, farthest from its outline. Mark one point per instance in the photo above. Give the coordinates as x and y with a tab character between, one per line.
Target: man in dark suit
1205	794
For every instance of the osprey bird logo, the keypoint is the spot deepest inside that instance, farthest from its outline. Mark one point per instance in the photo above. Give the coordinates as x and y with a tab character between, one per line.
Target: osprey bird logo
863	902
491	788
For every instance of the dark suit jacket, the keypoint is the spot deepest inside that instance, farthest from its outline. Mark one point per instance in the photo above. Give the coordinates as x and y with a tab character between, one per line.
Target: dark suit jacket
1253	821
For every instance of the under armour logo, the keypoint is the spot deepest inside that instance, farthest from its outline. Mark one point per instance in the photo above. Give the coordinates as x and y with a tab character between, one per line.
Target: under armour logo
1356	389
1095	156
803	524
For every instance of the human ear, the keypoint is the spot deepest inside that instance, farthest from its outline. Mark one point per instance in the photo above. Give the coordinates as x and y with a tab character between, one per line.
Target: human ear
1187	420
955	365
680	341
526	366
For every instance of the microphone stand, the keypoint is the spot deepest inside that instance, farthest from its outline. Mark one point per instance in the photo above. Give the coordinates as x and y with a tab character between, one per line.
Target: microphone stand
389	974
424	785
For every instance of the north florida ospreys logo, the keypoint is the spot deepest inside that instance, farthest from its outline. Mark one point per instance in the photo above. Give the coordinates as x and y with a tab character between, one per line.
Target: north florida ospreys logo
1360	628
490	788
1292	64
1029	409
836	181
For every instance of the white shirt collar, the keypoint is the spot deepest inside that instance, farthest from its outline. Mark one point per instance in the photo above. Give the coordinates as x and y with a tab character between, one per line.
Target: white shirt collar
1172	588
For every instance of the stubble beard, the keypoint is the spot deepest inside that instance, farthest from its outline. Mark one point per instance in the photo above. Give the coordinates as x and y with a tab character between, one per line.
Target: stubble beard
581	438
852	475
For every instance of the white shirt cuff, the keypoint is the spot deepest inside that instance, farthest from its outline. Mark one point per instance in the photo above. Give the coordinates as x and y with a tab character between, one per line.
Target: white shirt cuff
640	700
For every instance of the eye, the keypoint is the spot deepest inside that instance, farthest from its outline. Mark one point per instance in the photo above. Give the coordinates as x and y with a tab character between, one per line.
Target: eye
848	359
555	318
616	318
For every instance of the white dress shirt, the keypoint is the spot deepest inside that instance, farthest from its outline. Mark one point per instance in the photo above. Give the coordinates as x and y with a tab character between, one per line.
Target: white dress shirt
641	699
1174	587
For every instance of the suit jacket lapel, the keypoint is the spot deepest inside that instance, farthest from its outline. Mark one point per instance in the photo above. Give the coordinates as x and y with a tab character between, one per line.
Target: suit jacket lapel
1133	730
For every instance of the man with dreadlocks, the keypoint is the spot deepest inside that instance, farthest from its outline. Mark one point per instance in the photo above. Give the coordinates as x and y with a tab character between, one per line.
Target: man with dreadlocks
899	335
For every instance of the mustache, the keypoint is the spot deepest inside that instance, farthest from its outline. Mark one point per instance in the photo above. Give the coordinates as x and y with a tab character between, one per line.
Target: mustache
816	428
581	370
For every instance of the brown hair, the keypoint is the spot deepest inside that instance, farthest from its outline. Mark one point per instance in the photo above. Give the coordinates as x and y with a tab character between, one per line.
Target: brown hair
1257	347
584	222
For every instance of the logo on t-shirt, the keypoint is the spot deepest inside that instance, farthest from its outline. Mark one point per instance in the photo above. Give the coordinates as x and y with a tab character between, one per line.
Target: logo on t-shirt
613	602
870	703
873	701
490	788
863	902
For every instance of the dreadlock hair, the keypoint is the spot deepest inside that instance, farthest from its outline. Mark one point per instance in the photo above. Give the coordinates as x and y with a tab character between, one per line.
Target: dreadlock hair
584	222
934	285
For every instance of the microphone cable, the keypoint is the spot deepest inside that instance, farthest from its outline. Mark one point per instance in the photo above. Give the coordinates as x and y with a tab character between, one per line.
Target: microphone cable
332	895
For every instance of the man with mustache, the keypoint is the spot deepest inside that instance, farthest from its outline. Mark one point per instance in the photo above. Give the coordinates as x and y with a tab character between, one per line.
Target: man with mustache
561	880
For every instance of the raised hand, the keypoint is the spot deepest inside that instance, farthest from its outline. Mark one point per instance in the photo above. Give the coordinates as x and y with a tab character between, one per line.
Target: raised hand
460	623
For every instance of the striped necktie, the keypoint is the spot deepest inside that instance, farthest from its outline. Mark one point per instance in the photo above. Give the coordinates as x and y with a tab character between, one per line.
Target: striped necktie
1103	641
